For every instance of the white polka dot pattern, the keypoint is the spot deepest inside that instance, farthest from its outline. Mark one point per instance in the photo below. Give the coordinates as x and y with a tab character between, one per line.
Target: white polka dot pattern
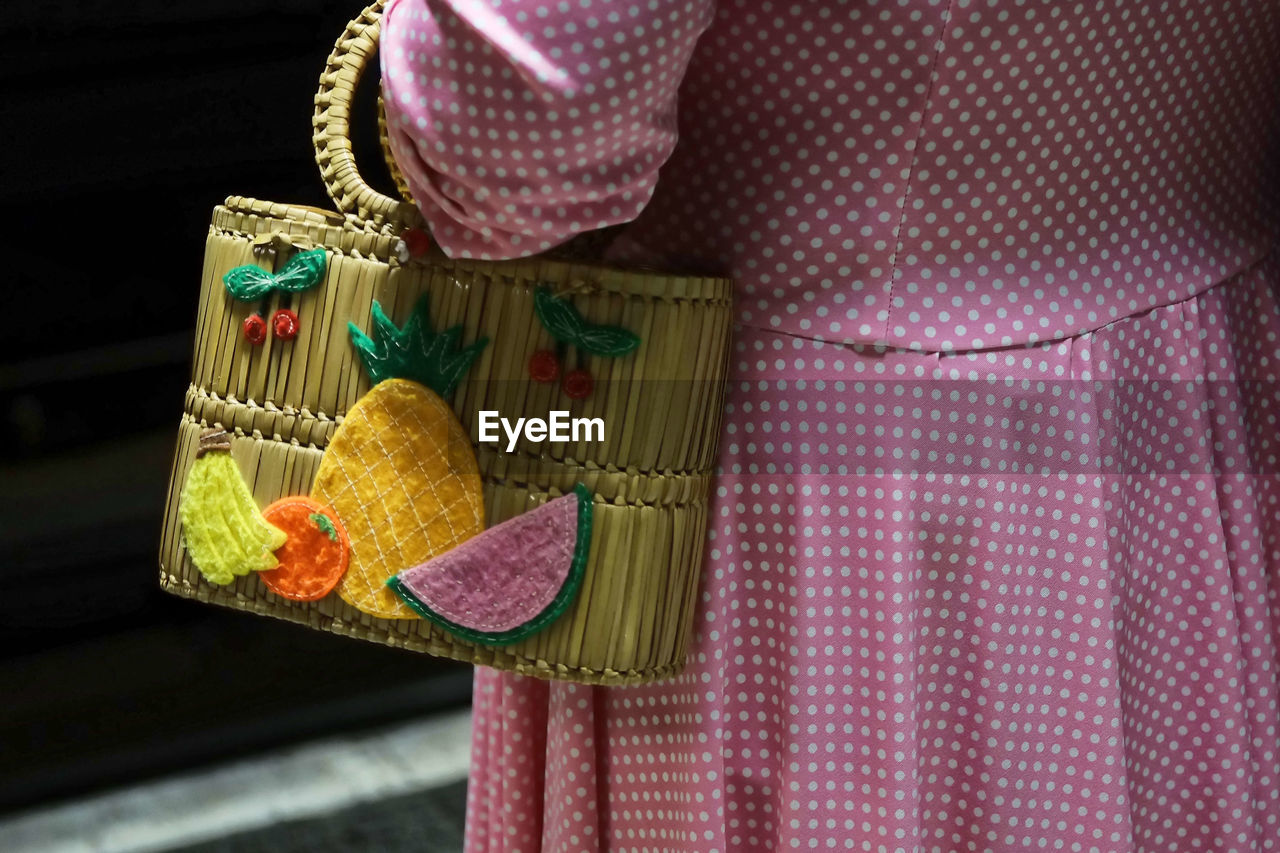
994	601
931	175
1075	167
521	125
969	174
994	562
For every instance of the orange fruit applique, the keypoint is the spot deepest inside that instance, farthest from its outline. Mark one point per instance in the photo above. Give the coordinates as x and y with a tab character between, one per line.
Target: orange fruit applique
315	556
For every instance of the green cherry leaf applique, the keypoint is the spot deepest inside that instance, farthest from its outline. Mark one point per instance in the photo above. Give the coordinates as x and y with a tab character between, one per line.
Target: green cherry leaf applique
415	352
248	282
607	341
568	326
559	318
302	272
324	524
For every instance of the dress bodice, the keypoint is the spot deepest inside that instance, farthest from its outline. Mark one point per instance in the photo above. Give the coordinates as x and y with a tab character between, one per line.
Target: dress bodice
962	175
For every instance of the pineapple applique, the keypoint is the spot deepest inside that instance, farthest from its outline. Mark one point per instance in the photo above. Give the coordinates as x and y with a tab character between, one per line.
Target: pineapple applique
400	471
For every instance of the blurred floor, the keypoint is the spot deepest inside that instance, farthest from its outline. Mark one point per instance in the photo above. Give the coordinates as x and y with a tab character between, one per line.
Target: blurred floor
423	822
396	788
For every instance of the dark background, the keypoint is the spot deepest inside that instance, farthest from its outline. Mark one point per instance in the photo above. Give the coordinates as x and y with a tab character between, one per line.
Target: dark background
123	125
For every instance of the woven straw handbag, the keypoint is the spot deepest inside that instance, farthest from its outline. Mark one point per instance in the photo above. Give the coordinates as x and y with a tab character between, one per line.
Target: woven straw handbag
280	401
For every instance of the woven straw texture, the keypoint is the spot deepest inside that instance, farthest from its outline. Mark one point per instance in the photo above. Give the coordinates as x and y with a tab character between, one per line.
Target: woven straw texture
650	476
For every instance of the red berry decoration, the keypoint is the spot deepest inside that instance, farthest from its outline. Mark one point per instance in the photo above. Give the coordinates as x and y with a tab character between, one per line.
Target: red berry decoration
417	241
544	366
577	384
255	329
284	323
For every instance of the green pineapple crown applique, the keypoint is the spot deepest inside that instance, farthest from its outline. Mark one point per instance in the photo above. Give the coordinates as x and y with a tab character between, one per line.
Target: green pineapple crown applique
415	352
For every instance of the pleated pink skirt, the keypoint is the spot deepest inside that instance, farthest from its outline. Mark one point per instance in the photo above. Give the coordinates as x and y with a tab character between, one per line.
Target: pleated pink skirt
1010	600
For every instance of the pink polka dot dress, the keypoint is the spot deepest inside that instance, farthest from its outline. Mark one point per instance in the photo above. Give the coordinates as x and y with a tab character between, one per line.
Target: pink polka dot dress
994	558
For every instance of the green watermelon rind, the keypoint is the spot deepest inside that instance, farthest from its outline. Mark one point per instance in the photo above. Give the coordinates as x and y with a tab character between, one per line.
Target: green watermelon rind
553	611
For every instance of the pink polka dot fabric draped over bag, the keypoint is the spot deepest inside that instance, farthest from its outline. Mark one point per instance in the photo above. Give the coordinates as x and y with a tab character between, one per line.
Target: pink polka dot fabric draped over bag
994	558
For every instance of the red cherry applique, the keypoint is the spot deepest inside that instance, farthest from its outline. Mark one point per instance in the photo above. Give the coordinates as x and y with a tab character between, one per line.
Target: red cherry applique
544	366
255	329
284	324
577	384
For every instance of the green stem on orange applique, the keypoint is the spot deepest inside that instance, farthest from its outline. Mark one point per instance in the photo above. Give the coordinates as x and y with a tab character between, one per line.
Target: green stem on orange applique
325	524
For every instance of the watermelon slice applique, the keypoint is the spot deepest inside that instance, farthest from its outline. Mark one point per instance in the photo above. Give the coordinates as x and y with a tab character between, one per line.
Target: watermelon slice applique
510	581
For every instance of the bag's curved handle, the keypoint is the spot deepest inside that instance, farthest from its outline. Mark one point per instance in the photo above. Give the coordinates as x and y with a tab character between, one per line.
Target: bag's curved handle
364	206
393	168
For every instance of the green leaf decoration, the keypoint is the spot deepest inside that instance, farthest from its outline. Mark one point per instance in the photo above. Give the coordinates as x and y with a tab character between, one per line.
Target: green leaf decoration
249	282
608	341
302	272
325	524
560	318
566	325
415	352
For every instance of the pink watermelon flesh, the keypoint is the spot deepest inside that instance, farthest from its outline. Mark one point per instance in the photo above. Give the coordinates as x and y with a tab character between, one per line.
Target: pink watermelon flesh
505	576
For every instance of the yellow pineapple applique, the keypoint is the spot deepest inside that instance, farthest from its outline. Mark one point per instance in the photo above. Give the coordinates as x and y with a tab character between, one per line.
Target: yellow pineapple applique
400	472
